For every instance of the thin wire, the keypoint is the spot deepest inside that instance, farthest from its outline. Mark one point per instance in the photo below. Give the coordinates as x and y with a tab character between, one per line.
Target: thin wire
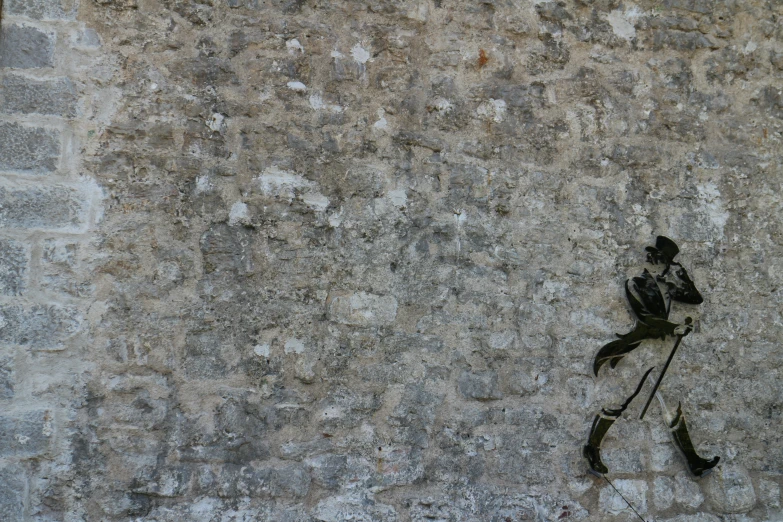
622	497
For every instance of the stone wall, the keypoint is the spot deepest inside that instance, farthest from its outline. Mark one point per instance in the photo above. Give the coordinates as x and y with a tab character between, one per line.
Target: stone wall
297	260
48	208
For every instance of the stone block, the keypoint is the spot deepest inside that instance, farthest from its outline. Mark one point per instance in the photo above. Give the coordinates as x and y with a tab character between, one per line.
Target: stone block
681	41
25	435
54	207
481	386
698	517
26	96
204	356
696	6
663	457
86	38
227	249
623	460
687	491
23	47
769	493
362	309
28	148
636	155
39	327
58	269
6	378
119	5
353	506
13	267
167	481
291	480
663	492
41	9
635	491
13	486
731	489
772	101
328	471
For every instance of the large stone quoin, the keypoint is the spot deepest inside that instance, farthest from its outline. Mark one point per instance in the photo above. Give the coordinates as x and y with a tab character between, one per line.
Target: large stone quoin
354	260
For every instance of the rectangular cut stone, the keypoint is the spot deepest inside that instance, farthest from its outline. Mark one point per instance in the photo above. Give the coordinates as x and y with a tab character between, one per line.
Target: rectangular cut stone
26	96
41	9
12	491
39	327
24	47
6	377
13	267
28	148
26	434
43	207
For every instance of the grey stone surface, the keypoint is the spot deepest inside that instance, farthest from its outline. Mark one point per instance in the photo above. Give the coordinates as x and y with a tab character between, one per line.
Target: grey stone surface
28	148
354	258
59	269
43	207
14	260
353	506
41	9
633	491
732	489
363	309
7	377
482	386
687	491
13	491
698	517
22	95
38	327
25	47
26	434
663	492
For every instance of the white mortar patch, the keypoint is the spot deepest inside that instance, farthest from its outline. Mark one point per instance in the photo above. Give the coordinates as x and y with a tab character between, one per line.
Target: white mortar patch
217	122
293	46
316	201
238	214
294	345
297	86
712	205
493	109
278	182
363	309
381	124
318	104
203	184
261	350
360	54
621	25
398	198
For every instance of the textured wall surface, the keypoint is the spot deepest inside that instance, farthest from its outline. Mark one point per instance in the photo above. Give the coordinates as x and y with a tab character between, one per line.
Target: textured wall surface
305	260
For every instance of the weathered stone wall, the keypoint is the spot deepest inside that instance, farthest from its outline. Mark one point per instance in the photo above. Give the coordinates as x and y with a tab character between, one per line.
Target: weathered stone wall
49	205
297	260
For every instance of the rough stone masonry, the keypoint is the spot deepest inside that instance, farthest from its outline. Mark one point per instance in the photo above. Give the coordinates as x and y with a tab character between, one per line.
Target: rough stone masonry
351	260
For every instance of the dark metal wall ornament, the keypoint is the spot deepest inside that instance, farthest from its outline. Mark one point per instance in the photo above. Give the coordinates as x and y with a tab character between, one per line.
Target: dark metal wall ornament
650	297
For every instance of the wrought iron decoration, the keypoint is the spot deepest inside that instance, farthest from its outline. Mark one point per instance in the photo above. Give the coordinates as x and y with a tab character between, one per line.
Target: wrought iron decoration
650	296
